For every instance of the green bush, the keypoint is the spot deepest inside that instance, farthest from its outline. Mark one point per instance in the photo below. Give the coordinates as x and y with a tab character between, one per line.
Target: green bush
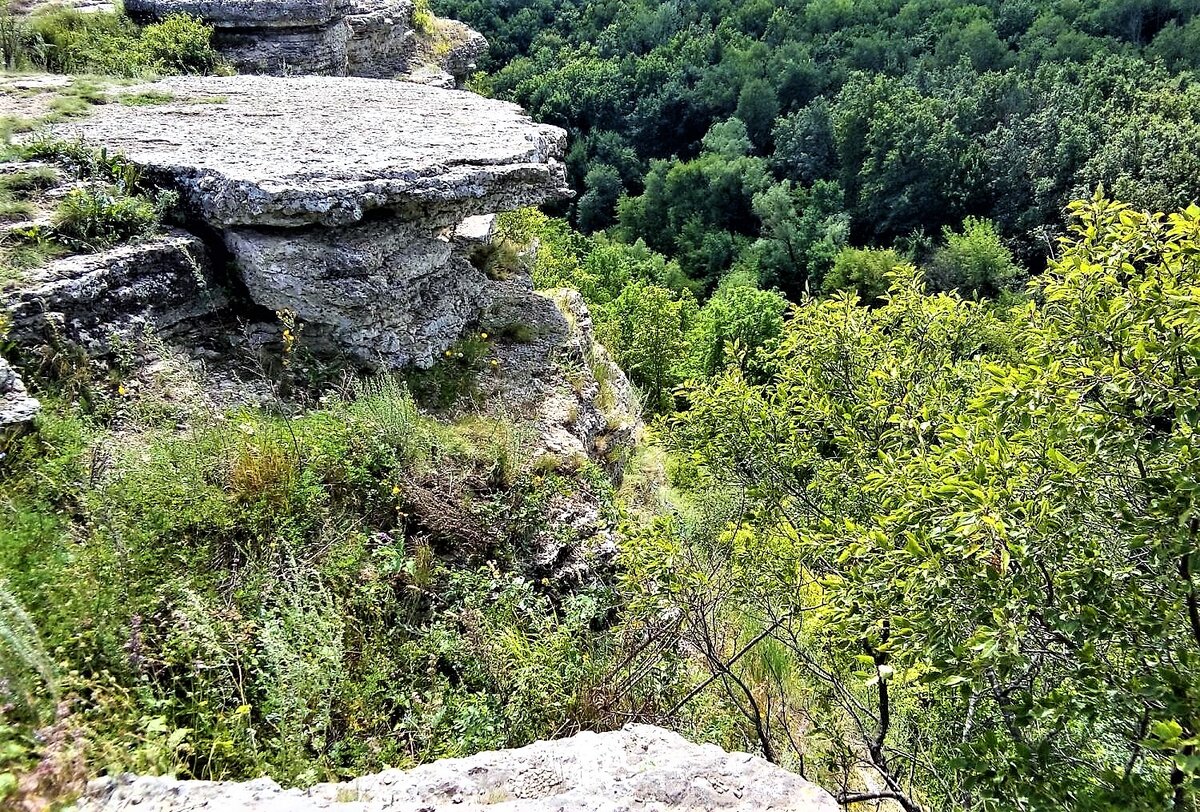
64	40
975	262
98	216
179	44
734	325
867	271
308	598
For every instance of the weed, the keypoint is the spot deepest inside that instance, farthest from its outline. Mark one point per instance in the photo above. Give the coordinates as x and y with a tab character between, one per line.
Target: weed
28	180
146	98
26	672
24	251
500	259
423	19
517	332
65	40
97	216
454	375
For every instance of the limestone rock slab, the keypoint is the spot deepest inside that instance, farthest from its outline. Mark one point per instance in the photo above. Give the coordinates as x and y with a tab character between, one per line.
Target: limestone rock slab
637	768
242	13
294	151
388	293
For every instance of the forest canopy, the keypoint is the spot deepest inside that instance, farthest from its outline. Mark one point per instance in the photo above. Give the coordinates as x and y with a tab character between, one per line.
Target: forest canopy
710	128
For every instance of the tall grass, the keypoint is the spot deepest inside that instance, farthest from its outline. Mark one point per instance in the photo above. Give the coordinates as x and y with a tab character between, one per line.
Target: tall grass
64	40
26	673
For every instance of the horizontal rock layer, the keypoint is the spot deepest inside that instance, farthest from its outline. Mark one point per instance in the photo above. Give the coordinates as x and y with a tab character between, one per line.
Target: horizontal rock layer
637	768
99	300
243	13
375	38
337	197
294	151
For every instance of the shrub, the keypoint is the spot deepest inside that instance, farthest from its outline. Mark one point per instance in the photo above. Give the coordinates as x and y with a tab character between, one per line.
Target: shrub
98	216
26	671
864	270
179	44
422	17
64	40
739	318
975	262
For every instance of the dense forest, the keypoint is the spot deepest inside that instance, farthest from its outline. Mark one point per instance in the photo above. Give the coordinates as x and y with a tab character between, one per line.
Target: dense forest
927	392
766	136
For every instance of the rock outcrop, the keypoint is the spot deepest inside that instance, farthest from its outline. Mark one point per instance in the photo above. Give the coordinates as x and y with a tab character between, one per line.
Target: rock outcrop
372	38
336	197
16	406
99	301
637	768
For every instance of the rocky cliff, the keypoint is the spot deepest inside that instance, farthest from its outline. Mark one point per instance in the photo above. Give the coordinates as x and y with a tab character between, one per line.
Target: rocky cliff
637	768
350	209
336	197
375	38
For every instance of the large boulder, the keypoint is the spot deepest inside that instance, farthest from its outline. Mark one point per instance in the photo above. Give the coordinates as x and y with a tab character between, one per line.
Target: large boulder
637	768
337	197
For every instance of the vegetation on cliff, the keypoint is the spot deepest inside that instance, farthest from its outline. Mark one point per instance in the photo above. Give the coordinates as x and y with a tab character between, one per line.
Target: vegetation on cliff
920	516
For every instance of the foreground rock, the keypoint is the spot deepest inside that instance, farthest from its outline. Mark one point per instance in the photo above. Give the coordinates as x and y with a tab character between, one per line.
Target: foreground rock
110	300
638	768
336	197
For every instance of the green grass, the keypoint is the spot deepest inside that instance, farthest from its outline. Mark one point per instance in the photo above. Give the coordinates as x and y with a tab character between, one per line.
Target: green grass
11	209
26	181
517	332
307	598
146	98
63	40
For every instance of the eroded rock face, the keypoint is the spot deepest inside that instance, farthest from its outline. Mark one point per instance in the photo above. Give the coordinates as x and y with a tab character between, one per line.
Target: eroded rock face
243	13
637	768
337	197
372	38
382	42
16	406
391	294
117	296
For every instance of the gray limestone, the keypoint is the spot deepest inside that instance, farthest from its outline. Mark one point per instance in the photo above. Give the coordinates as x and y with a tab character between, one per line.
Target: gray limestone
100	300
16	406
295	151
373	38
637	768
243	13
337	197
